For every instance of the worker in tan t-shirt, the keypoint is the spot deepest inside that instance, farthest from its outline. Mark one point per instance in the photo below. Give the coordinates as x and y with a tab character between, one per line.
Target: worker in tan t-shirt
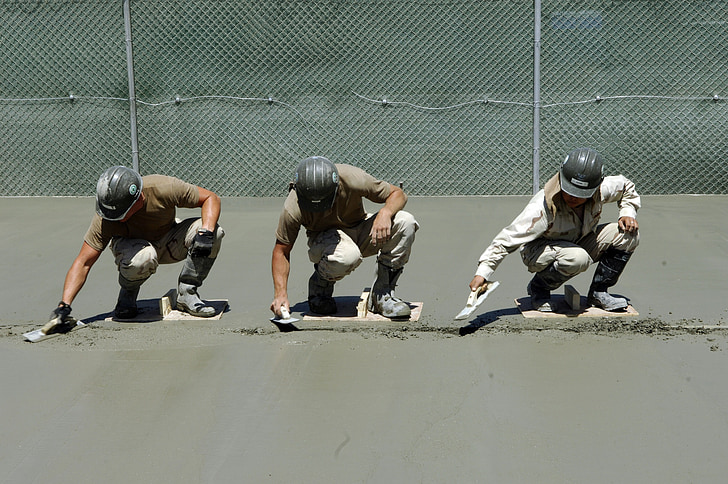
136	216
327	200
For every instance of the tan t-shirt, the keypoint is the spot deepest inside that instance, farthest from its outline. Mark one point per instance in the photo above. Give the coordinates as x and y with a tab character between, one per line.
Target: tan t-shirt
347	211
162	195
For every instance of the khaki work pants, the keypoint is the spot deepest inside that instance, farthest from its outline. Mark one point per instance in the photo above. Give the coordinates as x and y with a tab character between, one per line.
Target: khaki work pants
571	258
138	259
339	251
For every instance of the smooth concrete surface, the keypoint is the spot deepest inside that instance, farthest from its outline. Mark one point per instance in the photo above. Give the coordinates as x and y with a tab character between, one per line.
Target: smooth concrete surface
498	398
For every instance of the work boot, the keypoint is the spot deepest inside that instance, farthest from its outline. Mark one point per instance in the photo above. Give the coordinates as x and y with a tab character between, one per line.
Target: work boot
541	286
194	271
382	299
607	273
126	307
320	294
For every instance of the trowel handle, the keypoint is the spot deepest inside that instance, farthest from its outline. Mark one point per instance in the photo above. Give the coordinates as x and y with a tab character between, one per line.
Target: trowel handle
473	297
285	313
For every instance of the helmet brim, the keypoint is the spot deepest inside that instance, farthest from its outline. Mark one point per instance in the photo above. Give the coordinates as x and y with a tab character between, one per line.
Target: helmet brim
316	206
113	215
116	214
574	190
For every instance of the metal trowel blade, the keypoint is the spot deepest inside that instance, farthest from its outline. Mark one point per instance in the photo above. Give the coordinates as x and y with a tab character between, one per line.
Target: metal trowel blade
285	318
476	298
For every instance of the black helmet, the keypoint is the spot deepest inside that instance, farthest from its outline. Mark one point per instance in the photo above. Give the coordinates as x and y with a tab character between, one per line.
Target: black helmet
581	173
317	180
117	190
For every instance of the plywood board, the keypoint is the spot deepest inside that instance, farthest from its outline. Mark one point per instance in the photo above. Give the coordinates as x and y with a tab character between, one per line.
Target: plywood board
153	310
563	310
348	310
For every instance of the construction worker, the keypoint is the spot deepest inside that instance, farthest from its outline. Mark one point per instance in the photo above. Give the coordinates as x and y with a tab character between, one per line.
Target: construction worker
559	234
136	216
326	199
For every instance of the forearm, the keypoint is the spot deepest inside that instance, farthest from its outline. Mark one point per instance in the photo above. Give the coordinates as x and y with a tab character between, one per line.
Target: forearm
280	283
75	279
382	225
281	267
211	212
78	273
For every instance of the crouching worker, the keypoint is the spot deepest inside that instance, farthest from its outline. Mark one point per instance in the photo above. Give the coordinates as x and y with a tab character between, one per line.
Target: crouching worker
136	216
559	234
327	200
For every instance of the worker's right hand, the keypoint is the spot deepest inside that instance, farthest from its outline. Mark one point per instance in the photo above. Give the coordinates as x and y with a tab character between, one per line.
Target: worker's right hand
277	304
202	243
62	312
478	281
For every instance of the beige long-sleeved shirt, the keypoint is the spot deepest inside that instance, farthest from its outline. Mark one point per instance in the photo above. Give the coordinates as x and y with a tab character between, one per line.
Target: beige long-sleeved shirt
547	215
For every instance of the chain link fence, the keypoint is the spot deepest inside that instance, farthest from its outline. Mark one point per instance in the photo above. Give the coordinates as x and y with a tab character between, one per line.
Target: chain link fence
437	95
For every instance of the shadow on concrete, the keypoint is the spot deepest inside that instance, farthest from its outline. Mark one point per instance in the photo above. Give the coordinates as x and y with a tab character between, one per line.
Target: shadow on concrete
485	319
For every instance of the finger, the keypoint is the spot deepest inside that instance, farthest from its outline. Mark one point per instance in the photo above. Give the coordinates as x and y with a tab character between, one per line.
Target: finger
476	283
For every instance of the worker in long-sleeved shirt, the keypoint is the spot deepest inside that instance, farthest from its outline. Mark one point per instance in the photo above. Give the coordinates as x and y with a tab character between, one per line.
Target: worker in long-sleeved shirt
559	234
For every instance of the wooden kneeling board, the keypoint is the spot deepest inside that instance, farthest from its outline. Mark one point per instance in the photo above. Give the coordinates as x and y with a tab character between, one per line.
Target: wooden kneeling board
352	308
570	305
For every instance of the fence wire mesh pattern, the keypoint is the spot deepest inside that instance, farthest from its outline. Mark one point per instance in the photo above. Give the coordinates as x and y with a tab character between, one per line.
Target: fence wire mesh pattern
437	95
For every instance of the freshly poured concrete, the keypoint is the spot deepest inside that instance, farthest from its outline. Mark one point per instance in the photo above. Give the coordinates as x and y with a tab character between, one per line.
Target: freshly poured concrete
498	398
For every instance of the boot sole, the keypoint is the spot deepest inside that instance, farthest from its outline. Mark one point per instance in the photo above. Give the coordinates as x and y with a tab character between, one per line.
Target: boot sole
183	307
620	307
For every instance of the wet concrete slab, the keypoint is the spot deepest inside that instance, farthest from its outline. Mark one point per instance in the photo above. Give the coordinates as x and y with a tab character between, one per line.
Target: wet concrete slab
496	398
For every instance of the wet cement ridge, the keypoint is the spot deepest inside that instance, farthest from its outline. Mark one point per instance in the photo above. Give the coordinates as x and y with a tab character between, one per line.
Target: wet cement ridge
601	326
197	334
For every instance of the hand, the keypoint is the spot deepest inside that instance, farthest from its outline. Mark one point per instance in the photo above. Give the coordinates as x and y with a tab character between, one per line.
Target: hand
627	224
279	303
202	244
477	282
381	228
62	312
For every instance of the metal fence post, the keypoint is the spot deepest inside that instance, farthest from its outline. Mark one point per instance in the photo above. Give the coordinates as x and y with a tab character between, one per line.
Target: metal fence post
132	94
536	94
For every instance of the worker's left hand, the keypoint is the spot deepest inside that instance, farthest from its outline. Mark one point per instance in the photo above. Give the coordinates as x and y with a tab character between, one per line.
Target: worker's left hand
381	228
627	224
202	244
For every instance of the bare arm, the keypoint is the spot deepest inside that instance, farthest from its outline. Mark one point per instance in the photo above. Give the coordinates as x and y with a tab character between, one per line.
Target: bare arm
382	226
78	273
281	267
211	205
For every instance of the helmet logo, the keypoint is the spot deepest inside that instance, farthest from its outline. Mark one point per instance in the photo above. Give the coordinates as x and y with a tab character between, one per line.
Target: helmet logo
132	189
335	177
579	183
